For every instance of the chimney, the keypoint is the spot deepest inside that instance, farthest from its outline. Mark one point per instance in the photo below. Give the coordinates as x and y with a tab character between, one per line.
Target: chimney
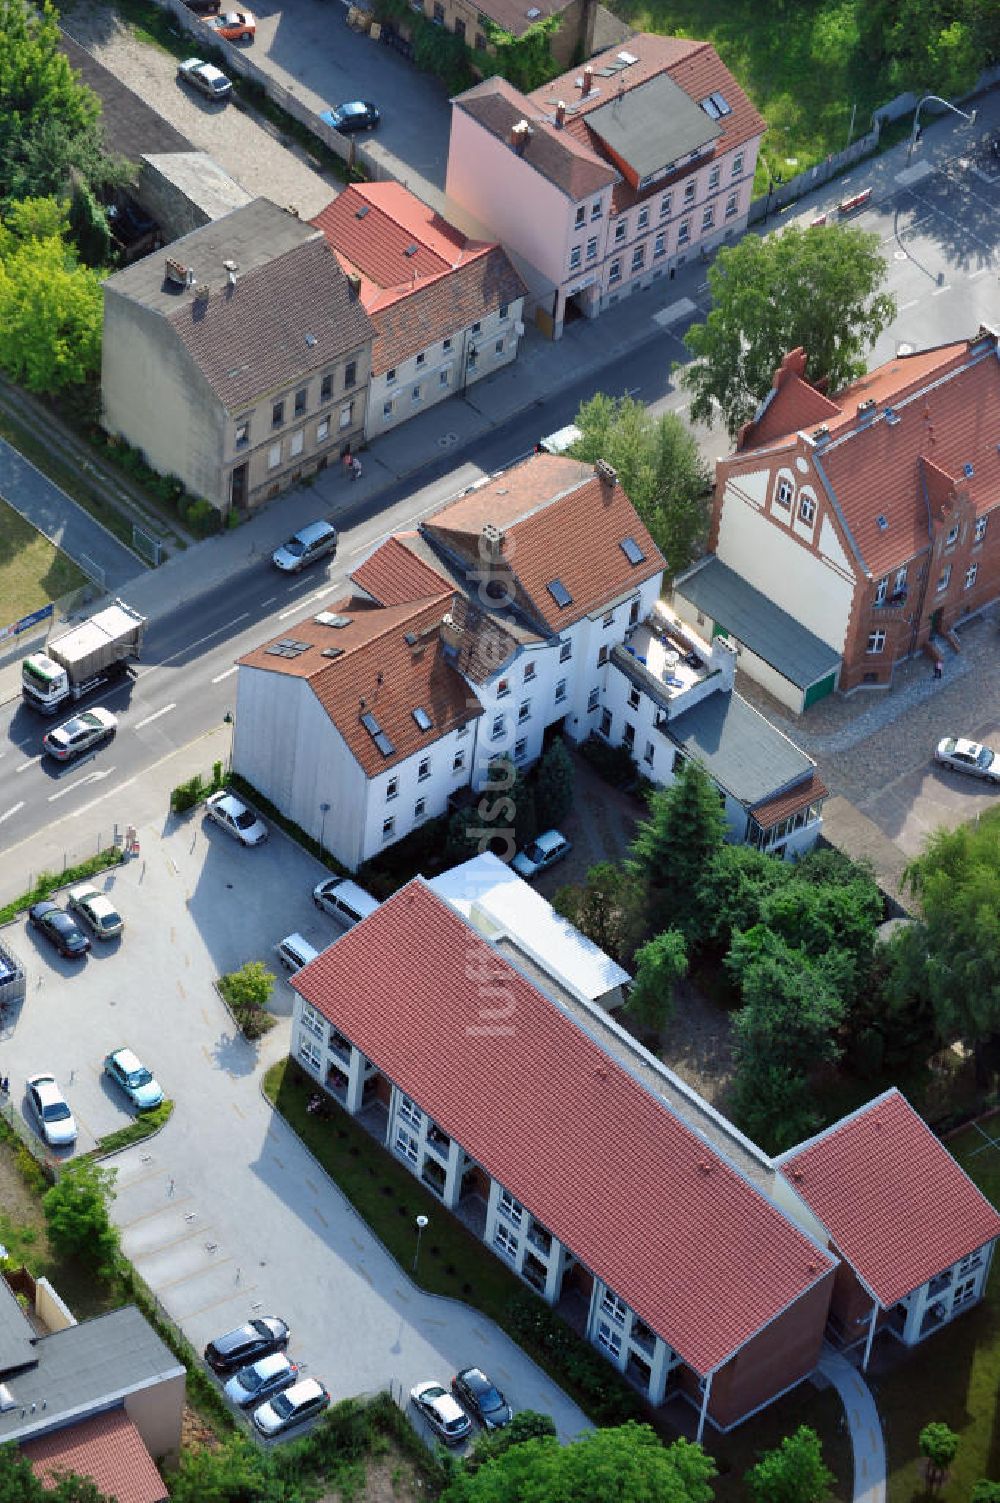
520	135
606	473
176	272
491	544
354	283
588	79
231	270
451	633
560	114
189	276
723	661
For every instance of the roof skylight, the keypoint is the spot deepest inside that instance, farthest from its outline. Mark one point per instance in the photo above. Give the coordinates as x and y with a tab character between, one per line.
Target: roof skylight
559	592
632	551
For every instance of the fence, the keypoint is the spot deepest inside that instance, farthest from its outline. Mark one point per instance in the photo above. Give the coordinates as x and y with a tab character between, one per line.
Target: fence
780	195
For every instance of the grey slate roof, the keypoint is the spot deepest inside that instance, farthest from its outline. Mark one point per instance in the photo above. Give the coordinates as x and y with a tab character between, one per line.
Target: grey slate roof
738	748
84	1369
15	1333
653	125
733	603
290	312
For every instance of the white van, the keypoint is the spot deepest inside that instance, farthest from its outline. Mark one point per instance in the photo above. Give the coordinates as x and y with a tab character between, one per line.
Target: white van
560	441
344	900
294	952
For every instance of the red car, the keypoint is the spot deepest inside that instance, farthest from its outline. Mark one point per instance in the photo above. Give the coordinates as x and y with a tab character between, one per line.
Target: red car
234	25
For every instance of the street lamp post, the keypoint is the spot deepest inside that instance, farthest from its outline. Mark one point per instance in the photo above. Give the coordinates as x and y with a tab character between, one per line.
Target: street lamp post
421	1225
915	134
324	809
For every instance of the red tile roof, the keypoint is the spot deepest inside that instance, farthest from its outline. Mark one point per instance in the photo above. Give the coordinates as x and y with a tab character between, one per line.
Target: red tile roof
642	1201
896	1204
447	283
393	575
107	1448
560	522
376	664
772	811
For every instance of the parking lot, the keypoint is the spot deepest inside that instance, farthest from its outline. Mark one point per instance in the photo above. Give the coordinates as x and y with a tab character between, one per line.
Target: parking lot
224	1213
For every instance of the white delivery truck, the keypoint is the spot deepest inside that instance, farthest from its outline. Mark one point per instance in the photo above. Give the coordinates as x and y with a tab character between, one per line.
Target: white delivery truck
83	659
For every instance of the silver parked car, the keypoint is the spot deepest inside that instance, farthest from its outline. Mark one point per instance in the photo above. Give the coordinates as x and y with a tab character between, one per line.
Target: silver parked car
128	1072
204	77
968	756
541	854
55	1120
291	1407
442	1412
261	1380
96	909
235	818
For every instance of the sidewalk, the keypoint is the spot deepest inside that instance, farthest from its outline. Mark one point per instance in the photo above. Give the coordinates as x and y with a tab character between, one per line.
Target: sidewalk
862	1422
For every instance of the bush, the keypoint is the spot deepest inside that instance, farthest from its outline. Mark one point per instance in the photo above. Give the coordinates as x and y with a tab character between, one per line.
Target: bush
141	1127
247	991
554	786
615	764
307	842
201	516
422	851
186	795
46	883
76	1213
605	1395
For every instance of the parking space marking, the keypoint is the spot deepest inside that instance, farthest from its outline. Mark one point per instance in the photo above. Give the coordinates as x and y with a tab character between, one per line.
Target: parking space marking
185	1278
224	1299
239	1111
164	710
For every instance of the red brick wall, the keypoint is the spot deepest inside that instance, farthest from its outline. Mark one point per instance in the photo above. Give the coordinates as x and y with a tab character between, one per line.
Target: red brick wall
850	1307
785	1351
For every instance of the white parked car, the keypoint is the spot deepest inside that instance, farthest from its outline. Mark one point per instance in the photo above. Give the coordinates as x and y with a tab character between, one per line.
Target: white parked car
204	77
235	818
96	909
302	1401
56	1121
968	756
442	1411
541	854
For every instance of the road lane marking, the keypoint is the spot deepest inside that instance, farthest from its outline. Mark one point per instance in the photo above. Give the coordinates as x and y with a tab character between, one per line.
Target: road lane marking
91	777
86	808
228	674
33	763
7	814
155	716
308	599
270	600
155	667
911	304
938	290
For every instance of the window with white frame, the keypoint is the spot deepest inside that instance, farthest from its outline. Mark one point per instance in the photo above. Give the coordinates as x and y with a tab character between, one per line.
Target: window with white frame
807	510
423	769
609	618
971	1261
708	217
444	376
592	248
421	357
596	209
511	1208
446	345
529	672
785	493
581	215
524	711
416	393
665	203
560	691
593	699
409	1111
575	257
643	223
683	233
520	748
615	273
609	1338
296	443
243	434
322	430
876	641
738	164
633	613
347	415
881	591
981	523
458	761
390	376
503	687
649	753
312	1020
714	178
689	191
602	657
732	205
634	698
274	456
638	258
952	537
388	828
463	730
387	409
496	733
899	583
565	651
621	230
615	1307
963	1293
506	1240
945	580
406	1145
970	575
628	736
420	808
309	1053
605	726
660	245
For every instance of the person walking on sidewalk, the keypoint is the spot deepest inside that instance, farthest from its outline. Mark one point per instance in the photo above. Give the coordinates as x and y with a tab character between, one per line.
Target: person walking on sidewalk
348	463
355	469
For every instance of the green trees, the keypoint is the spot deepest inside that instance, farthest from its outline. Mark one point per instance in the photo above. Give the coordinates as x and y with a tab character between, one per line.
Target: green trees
627	1462
792	1473
660	964
672	848
658	464
939	1444
606	908
50	306
817	288
554	786
985	1492
76	1213
18	1483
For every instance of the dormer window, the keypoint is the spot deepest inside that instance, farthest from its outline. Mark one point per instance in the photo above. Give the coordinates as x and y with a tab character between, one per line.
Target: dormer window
785	493
807	510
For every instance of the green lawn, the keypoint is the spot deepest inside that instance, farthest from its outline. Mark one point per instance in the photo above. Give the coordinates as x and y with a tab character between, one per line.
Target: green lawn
32	570
798	63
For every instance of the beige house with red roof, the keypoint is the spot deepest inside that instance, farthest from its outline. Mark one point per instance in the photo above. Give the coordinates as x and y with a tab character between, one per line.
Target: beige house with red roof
446	309
609	177
529	605
703	1270
850	531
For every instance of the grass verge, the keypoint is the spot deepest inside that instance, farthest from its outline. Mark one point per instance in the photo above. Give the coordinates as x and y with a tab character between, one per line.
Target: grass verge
452	1262
47	883
32	570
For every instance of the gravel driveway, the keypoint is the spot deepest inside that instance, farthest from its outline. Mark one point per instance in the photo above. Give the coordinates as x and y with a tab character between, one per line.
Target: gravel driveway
248	147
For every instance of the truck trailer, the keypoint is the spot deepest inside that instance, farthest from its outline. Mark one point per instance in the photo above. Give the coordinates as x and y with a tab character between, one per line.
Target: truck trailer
89	656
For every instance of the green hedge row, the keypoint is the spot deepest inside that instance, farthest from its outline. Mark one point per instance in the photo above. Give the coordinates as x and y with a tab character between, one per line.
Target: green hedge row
46	883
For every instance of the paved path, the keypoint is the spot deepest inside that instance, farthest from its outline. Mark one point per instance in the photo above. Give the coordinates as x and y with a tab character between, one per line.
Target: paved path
863	1423
45	506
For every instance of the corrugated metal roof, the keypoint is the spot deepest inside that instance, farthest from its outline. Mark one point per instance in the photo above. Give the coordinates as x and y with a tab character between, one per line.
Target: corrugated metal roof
733	603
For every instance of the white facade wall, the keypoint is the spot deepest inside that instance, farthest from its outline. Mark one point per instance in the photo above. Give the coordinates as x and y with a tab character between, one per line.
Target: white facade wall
285	744
443	369
622	1337
816	589
408	794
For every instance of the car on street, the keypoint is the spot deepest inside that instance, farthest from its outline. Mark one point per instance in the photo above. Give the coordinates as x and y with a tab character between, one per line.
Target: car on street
260	1380
442	1412
541	854
291	1407
128	1072
78	735
204	77
258	1338
59	929
482	1398
234	25
355	115
51	1109
314	541
96	910
235	818
968	756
